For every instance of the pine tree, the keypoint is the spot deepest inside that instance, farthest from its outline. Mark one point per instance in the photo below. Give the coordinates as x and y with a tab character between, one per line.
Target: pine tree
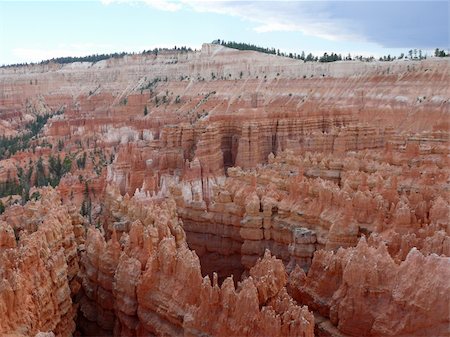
86	205
41	179
66	165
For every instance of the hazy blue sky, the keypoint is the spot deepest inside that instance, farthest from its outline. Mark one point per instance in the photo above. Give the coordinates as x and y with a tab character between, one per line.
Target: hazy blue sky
36	30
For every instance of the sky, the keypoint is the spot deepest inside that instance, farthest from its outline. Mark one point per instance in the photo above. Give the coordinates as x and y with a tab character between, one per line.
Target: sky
31	31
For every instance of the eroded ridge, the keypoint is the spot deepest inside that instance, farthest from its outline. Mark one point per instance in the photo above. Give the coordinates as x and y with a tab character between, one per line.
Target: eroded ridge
225	193
147	281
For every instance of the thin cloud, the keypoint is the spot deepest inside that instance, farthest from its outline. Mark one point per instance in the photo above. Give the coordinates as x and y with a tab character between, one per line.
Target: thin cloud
388	23
308	17
163	5
400	24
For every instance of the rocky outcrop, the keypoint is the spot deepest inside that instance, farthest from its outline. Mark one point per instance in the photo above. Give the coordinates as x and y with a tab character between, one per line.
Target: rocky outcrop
99	264
38	268
116	89
297	204
260	306
196	164
149	282
365	293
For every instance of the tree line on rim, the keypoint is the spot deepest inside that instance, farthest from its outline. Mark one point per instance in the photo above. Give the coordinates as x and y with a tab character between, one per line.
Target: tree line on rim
98	57
415	54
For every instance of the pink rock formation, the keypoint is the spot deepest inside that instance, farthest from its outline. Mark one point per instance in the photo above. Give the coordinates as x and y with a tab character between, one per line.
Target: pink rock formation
148	273
365	293
38	269
191	178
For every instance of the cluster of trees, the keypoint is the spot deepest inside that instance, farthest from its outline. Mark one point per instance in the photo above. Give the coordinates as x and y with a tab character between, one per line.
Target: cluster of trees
21	186
86	205
10	145
9	187
81	161
441	53
90	58
57	168
71	59
156	51
24	64
230	44
389	58
98	57
301	56
415	54
99	160
330	58
246	46
150	84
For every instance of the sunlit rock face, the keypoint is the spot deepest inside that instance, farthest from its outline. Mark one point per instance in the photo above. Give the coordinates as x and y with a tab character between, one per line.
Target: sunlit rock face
224	193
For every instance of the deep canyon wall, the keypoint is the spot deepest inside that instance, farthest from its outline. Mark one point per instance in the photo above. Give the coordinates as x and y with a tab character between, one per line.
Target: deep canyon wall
227	193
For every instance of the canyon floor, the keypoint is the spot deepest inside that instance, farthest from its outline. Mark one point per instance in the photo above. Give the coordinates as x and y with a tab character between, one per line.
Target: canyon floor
225	193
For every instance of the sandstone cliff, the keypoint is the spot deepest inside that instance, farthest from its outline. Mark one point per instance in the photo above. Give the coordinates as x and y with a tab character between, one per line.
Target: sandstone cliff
204	177
365	293
149	282
38	268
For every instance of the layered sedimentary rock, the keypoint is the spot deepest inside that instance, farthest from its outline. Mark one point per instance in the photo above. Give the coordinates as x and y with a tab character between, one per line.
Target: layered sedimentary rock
300	203
189	167
38	268
365	293
267	83
277	104
149	282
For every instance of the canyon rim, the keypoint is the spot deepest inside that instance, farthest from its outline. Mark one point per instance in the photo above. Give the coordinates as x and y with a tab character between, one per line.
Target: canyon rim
225	192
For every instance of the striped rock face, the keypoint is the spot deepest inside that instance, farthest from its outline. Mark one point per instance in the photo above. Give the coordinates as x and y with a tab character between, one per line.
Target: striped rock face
222	193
